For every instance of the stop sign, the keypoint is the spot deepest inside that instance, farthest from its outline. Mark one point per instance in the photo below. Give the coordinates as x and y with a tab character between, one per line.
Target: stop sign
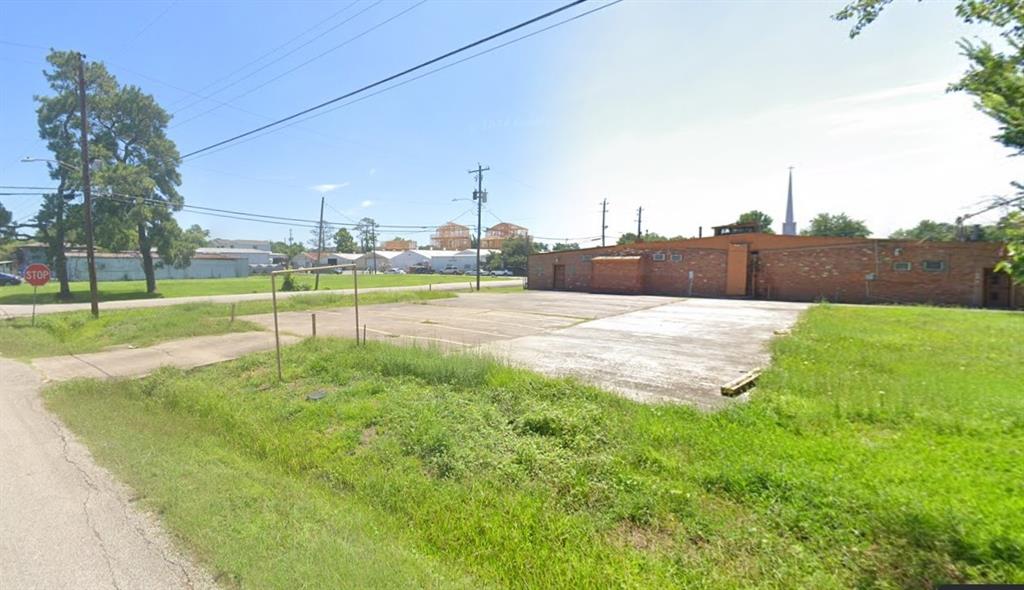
37	275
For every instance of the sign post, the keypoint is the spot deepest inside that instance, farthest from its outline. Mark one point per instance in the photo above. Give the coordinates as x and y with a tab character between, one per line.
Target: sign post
37	275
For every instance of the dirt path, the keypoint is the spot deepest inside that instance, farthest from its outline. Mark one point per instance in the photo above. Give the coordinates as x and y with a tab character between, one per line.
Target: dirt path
65	522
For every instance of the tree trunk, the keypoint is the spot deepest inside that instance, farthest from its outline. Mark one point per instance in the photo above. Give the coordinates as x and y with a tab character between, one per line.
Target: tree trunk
147	259
60	259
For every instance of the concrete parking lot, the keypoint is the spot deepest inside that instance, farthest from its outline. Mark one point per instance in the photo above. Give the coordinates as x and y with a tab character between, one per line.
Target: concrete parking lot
646	348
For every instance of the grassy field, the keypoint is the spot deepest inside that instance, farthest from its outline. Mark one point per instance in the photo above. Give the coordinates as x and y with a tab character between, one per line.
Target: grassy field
122	290
883	449
77	332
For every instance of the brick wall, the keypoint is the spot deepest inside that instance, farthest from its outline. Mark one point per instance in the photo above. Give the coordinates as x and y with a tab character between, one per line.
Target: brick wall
791	268
617	274
841	273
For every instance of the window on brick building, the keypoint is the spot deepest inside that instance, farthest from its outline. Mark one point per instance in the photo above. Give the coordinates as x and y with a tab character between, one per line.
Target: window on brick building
677	258
659	257
902	266
934	265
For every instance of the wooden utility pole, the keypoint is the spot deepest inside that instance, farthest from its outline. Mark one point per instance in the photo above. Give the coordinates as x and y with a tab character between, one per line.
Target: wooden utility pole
480	197
320	244
90	250
604	213
639	220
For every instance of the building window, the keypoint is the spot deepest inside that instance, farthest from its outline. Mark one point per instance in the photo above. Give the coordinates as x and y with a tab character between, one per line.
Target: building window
677	258
934	265
659	257
586	257
902	266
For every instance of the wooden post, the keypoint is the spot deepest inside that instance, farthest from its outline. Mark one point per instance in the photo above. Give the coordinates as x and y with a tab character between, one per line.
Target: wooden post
313	317
232	313
34	290
277	334
364	334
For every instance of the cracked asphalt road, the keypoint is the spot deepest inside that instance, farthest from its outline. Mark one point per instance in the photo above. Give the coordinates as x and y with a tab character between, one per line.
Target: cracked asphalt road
65	522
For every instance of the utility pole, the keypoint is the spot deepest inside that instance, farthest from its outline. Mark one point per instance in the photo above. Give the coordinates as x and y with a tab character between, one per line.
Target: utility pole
604	213
373	244
90	250
320	243
639	219
480	197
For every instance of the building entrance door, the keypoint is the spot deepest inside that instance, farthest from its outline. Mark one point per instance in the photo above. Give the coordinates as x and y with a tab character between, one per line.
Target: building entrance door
558	277
997	289
736	275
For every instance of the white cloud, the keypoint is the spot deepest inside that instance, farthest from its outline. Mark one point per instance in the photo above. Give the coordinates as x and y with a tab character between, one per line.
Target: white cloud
326	188
366	204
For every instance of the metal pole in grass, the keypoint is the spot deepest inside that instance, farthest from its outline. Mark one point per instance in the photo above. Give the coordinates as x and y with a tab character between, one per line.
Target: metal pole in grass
277	333
355	297
34	290
273	295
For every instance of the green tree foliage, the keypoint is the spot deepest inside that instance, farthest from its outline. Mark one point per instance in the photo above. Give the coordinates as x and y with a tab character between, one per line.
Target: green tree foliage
136	165
514	254
927	229
760	217
328	235
630	238
560	246
839	225
58	221
995	76
6	227
343	241
290	250
1014	262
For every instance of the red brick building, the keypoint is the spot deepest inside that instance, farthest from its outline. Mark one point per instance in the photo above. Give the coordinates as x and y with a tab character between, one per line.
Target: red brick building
789	268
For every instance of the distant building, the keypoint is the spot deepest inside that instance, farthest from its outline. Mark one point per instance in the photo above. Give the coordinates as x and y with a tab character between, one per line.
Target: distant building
127	266
451	236
252	255
745	227
398	245
497	234
241	244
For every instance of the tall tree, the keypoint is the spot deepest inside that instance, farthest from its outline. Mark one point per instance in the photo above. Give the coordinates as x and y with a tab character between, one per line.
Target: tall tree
562	246
60	125
366	230
343	241
839	225
6	225
630	238
763	219
514	255
138	179
994	76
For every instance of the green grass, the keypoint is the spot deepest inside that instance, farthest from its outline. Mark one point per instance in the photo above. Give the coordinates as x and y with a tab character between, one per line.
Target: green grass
122	290
77	332
883	449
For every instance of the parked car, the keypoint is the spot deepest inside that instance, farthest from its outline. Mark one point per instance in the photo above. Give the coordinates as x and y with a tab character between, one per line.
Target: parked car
6	279
394	271
501	273
451	269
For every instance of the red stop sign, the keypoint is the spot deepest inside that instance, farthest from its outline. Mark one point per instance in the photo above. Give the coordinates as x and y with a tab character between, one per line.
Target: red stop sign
37	275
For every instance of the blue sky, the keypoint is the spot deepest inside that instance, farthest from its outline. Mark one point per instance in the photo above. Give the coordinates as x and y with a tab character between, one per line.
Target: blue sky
693	110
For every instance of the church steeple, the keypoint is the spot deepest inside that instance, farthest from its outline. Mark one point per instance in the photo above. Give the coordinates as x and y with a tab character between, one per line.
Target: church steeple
789	226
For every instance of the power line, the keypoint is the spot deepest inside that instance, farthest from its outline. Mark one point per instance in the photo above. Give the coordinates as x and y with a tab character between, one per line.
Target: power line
272	51
308	61
402	83
388	78
41	188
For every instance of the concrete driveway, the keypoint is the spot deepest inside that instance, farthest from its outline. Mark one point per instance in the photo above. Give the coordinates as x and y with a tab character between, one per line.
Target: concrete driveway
650	349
